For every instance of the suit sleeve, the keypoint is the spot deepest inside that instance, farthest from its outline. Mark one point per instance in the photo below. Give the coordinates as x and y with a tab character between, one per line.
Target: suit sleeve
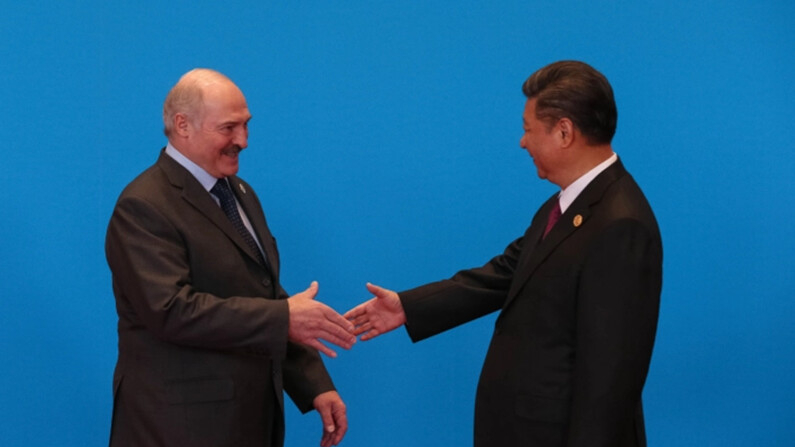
153	282
305	376
617	308
470	294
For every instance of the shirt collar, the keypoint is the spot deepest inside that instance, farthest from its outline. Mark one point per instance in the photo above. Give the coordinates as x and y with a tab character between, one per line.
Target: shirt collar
571	192
207	181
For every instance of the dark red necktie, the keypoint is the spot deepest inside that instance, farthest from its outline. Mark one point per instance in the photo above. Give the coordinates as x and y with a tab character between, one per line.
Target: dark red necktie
554	215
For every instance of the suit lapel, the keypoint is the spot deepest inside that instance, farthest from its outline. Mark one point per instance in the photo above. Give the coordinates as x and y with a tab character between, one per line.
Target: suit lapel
256	217
576	217
535	249
199	198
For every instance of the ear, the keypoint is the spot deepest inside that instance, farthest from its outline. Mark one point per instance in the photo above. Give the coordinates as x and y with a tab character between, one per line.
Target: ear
182	124
565	132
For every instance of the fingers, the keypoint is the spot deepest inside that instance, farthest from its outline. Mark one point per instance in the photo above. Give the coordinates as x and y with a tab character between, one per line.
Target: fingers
333	416
356	312
361	328
312	321
364	324
337	319
327	418
359	314
330	333
336	329
329	439
336	336
361	318
341	424
366	331
314	343
330	314
361	323
370	334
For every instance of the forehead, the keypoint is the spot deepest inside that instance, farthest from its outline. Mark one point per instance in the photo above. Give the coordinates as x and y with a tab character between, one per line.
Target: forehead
224	101
529	115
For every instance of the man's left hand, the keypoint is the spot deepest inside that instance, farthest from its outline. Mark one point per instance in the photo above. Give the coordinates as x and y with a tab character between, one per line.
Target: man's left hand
335	421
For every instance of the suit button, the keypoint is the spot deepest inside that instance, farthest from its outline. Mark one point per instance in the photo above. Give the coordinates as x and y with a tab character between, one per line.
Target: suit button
266	282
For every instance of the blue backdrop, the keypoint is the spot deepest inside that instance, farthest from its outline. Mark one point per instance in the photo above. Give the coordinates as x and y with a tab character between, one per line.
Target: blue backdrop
384	147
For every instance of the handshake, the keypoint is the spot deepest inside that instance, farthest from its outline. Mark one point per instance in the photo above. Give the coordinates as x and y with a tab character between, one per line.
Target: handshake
312	321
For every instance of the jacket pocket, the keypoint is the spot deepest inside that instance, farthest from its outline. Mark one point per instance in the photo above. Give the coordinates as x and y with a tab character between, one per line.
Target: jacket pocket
543	409
199	390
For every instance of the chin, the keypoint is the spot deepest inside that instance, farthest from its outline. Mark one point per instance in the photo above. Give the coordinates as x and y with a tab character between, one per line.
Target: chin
229	170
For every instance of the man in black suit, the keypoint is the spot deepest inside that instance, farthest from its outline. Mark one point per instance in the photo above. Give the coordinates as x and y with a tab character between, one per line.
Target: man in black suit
578	292
208	338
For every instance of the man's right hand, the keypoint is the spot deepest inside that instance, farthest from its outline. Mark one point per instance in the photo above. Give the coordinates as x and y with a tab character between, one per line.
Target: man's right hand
381	314
312	320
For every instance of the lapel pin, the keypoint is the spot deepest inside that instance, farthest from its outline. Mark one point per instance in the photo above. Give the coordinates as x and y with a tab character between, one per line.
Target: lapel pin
242	188
577	221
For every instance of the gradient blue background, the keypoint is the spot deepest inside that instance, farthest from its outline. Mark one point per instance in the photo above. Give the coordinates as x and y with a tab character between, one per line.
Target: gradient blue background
384	147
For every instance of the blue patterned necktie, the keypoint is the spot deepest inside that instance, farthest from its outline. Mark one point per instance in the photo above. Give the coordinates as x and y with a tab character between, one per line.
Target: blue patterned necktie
224	194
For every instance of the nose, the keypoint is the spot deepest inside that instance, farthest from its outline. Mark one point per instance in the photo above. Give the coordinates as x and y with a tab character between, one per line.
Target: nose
241	137
521	142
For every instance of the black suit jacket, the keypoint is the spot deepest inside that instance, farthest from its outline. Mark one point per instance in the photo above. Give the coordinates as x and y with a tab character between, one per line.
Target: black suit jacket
203	348
571	347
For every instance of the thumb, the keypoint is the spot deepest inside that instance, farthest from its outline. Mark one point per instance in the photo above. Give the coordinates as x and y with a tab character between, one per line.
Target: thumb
379	292
310	292
327	418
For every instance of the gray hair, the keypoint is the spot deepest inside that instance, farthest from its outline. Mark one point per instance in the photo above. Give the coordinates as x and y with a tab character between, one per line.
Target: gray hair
187	96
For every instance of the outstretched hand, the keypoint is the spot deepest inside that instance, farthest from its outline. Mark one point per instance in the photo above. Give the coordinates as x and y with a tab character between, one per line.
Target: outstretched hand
377	316
312	320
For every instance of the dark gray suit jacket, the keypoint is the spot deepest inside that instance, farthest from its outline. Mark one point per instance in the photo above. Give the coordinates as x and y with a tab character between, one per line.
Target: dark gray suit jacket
203	348
571	348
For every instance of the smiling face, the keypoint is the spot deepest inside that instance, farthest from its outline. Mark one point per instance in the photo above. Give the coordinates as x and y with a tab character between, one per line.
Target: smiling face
542	142
217	133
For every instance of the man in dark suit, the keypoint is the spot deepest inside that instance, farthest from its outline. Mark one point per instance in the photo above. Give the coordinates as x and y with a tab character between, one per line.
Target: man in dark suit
208	338
578	292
